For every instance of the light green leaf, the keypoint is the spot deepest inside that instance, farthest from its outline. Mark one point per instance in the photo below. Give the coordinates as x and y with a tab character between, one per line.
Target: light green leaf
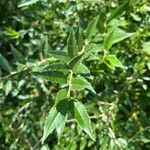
27	3
52	75
62	94
81	69
7	86
109	39
146	48
11	33
80	83
56	116
17	55
91	28
82	118
118	11
61	127
121	35
5	64
112	61
72	45
114	36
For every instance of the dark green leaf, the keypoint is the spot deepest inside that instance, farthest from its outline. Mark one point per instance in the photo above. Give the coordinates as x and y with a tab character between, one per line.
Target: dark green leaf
80	39
17	55
118	11
72	45
4	63
47	48
52	75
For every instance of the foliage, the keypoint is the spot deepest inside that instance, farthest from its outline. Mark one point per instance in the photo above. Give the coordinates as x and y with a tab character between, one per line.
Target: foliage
82	65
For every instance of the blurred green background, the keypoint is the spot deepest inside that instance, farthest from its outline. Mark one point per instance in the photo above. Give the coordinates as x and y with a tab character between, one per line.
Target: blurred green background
124	102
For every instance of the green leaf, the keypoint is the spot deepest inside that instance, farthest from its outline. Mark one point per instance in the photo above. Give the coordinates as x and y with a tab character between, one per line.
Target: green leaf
27	3
5	64
80	83
58	66
7	86
118	11
60	128
75	61
17	55
47	48
121	35
62	56
80	39
109	39
56	116
91	28
82	118
81	69
114	36
52	75
72	45
11	33
146	48
112	61
62	94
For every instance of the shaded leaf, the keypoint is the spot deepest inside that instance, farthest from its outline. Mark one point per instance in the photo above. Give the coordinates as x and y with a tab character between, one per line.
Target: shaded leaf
17	55
47	48
5	64
75	61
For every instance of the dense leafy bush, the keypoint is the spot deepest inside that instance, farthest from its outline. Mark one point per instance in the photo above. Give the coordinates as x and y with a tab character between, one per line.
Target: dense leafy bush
84	65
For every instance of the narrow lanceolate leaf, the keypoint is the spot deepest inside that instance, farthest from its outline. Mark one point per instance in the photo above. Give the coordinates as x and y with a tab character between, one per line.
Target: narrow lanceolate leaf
112	61
61	127
118	11
91	28
5	64
56	116
7	86
27	3
82	118
80	38
80	83
72	45
52	75
62	94
47	48
17	55
75	61
109	39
